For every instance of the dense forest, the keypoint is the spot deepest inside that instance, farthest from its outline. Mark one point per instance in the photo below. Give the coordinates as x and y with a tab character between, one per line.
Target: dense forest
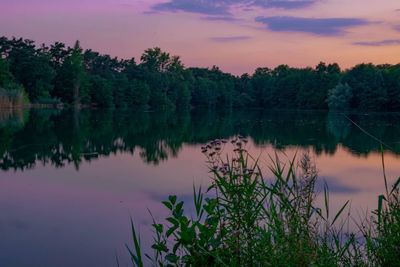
61	75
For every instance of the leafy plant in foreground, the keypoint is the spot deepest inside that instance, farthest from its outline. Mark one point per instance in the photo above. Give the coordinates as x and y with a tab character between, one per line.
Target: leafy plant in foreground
382	235
248	219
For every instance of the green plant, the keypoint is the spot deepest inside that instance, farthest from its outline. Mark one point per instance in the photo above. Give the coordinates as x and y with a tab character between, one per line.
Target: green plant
382	232
248	219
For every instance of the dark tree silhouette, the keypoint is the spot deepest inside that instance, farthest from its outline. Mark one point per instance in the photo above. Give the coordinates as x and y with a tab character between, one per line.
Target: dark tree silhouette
56	74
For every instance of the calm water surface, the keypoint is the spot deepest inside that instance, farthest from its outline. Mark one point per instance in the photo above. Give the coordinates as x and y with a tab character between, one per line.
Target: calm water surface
69	181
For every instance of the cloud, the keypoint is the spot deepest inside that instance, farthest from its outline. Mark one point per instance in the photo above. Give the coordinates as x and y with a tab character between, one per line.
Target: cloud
285	4
379	43
226	39
319	26
221	18
222	7
209	7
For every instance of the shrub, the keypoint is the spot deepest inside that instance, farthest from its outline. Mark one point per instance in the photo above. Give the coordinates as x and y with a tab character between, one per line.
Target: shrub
339	97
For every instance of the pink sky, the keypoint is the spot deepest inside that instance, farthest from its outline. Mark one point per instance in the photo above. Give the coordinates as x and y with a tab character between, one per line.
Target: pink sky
237	35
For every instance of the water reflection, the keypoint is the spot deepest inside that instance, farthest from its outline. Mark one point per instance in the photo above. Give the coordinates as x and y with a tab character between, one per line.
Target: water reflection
81	218
63	137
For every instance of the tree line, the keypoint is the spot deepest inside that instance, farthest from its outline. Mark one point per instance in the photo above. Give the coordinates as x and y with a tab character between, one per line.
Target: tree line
58	74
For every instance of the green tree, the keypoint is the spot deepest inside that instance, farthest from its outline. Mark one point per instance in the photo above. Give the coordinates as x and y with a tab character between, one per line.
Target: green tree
368	87
6	78
161	81
75	62
153	59
339	97
391	76
121	85
262	93
101	91
138	94
29	65
11	93
71	85
183	96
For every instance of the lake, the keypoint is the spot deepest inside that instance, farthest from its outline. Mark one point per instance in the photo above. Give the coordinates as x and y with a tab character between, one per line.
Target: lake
71	180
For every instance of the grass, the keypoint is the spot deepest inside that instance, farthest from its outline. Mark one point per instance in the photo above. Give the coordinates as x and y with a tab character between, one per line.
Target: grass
243	219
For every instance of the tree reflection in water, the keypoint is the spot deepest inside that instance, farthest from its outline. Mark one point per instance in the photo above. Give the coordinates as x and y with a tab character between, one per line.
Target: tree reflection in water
61	137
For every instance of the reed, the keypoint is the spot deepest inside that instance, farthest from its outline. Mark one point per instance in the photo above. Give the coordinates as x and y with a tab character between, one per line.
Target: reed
246	219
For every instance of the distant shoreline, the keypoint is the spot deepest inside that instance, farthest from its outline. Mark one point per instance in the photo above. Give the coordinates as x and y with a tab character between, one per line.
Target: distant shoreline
58	75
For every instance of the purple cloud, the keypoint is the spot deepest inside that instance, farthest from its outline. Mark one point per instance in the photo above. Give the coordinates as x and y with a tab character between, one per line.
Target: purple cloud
226	39
222	7
209	7
379	43
285	4
221	18
319	26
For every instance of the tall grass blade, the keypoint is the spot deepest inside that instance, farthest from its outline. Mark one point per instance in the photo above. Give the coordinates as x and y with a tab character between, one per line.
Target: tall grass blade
326	200
381	198
395	186
384	171
137	255
340	212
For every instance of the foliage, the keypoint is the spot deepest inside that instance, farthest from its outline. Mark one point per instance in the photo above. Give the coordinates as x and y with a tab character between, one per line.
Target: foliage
369	90
382	231
29	65
161	81
339	97
11	93
138	94
6	78
71	82
243	220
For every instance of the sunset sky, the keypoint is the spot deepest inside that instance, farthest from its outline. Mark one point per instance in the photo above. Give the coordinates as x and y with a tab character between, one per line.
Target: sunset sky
236	35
